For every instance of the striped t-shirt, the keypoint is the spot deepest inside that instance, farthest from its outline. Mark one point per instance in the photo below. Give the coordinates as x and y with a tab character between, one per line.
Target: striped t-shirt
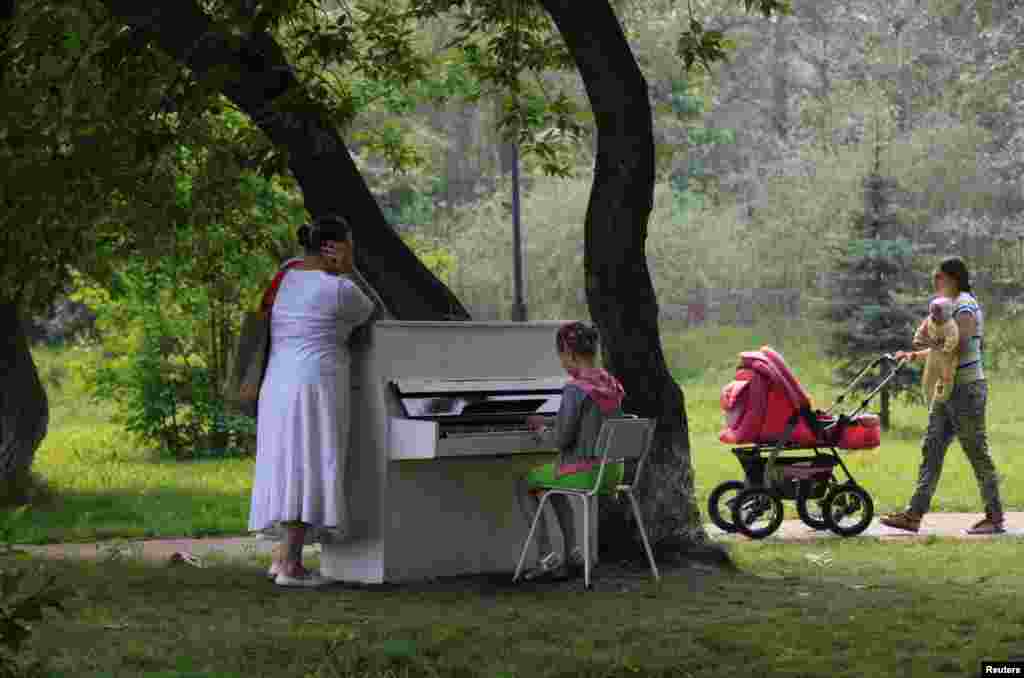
970	368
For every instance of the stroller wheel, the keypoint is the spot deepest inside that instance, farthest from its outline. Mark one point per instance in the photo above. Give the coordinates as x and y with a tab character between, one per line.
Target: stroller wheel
849	509
812	512
720	504
757	512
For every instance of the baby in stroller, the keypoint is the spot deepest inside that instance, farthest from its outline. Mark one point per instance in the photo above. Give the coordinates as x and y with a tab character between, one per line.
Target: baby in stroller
939	331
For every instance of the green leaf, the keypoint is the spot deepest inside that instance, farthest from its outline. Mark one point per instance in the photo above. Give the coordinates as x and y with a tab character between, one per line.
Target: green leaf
395	648
72	42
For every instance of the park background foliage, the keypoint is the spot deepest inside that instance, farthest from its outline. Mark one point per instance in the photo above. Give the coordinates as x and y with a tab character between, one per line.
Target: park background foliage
762	163
162	209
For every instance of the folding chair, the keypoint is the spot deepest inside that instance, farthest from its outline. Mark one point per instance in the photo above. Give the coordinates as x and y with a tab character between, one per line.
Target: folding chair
620	438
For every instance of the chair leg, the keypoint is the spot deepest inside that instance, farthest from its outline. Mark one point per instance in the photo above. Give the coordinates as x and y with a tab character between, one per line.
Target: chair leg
586	543
643	534
529	536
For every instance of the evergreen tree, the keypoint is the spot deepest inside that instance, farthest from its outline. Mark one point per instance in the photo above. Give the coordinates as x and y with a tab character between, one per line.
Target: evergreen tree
868	318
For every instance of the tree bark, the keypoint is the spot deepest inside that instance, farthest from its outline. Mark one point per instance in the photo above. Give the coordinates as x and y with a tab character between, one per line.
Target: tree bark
257	74
6	17
24	408
620	294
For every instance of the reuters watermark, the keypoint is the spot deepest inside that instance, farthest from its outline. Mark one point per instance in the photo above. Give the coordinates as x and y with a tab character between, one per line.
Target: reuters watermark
1014	668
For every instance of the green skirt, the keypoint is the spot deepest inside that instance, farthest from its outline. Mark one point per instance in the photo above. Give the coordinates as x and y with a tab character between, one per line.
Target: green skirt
544	476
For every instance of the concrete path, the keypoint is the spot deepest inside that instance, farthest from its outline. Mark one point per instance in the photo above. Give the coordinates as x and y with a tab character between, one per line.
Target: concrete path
933	524
162	550
198	551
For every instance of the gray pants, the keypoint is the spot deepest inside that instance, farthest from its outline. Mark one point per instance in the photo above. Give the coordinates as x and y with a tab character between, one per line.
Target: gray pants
963	415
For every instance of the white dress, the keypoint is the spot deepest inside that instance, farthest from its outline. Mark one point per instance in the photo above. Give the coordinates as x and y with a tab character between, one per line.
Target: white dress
302	424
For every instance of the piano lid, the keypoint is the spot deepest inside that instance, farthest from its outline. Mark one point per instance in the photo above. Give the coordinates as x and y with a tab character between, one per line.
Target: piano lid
509	386
468	400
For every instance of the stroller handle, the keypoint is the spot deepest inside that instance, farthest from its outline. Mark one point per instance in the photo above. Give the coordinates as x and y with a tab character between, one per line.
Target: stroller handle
885	357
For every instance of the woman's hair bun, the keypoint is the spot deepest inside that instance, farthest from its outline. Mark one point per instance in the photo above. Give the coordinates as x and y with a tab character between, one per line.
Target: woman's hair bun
333	227
330	227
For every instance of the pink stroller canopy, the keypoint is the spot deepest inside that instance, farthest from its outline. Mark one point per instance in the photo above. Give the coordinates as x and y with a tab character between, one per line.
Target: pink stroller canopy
752	414
793	388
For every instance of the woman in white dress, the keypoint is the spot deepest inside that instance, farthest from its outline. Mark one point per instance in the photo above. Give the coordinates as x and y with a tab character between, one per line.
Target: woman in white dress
302	430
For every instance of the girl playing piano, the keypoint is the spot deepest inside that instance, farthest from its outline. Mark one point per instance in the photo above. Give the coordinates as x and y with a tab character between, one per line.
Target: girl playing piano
589	397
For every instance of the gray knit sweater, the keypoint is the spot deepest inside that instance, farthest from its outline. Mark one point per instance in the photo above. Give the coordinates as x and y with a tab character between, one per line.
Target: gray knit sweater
576	428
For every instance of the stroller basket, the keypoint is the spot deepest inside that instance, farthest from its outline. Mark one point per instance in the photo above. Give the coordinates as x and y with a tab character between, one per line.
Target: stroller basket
801	476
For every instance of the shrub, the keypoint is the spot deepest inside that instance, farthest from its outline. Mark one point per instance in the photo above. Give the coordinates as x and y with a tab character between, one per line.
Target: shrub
161	365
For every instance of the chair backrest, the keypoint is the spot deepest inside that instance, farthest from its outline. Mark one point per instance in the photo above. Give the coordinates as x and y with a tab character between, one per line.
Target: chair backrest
621	438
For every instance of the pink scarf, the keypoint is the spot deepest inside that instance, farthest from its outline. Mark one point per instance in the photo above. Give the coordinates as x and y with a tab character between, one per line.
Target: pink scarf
604	389
606	392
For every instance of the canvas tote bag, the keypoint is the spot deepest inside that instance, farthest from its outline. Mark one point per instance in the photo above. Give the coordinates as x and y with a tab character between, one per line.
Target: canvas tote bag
253	349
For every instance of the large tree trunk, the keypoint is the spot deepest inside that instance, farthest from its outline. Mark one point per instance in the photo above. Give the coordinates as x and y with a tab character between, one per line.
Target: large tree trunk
24	409
620	294
257	75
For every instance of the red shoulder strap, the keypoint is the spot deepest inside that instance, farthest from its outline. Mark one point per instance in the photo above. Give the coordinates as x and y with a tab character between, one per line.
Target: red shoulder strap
271	294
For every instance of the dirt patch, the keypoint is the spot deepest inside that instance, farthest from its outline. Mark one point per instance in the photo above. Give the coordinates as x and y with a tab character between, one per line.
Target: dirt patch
621	576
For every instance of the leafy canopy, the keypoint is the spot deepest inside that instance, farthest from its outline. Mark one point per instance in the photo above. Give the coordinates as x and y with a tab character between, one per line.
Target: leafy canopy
92	109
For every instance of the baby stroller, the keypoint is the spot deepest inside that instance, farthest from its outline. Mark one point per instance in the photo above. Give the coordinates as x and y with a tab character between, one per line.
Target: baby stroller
769	415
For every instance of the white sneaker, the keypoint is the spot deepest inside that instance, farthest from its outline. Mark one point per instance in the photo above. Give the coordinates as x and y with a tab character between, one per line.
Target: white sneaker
311	580
546	567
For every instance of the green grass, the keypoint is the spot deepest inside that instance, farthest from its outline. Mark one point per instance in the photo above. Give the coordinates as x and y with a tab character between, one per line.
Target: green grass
826	609
106	486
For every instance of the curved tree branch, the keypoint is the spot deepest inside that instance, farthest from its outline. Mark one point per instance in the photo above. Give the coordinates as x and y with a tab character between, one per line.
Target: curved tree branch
254	73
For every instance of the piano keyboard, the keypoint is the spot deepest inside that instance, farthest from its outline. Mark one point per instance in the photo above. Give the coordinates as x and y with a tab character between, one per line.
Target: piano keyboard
470	417
457	430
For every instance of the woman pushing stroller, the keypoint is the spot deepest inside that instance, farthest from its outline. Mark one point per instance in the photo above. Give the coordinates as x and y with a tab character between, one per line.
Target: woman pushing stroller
962	414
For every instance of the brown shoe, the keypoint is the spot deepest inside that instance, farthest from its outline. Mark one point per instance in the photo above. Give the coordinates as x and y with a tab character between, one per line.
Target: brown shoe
990	525
902	521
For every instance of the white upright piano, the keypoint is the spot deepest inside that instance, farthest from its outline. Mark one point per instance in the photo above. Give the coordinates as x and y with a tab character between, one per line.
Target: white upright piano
438	441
